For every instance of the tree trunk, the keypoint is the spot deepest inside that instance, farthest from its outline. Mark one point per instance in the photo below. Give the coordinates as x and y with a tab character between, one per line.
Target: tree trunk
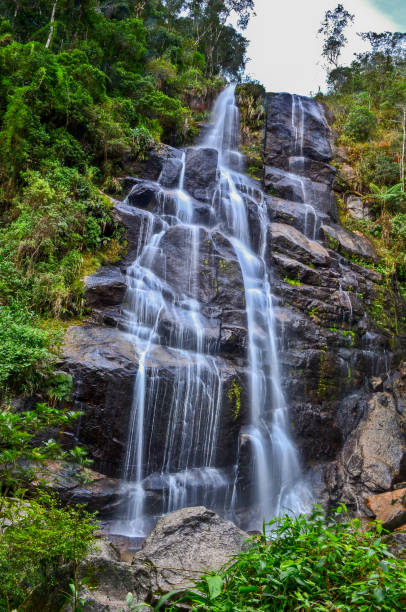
51	29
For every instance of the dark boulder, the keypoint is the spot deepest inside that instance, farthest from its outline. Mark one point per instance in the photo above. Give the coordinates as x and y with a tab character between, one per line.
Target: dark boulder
143	194
170	174
105	288
158	158
201	173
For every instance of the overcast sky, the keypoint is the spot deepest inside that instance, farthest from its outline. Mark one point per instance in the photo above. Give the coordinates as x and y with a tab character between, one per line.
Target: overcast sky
285	49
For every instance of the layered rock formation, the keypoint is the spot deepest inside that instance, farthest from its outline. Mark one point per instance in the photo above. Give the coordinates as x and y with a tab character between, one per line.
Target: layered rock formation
339	325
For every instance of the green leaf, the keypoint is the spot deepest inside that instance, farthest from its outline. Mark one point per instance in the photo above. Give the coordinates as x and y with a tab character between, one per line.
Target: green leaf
215	586
379	595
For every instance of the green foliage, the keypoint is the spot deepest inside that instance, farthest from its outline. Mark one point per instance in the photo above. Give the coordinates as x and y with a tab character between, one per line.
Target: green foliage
41	545
379	168
309	563
250	98
21	448
295	282
360	124
368	100
25	355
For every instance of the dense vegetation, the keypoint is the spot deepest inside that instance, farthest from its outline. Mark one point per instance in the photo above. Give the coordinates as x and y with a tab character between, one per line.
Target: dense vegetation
368	100
309	564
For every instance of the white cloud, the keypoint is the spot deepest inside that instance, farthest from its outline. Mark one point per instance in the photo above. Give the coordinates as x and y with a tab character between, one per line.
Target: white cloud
285	49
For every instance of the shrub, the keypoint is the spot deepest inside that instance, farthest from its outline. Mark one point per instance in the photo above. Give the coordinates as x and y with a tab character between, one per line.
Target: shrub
41	545
360	124
25	355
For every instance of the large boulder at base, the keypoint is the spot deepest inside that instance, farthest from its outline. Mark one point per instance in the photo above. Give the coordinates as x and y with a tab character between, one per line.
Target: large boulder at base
201	173
187	542
389	508
182	546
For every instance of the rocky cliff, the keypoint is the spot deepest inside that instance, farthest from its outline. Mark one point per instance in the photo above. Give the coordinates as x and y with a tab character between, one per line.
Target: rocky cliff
340	326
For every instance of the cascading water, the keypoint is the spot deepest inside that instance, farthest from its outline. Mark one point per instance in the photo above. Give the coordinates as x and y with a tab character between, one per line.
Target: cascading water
186	470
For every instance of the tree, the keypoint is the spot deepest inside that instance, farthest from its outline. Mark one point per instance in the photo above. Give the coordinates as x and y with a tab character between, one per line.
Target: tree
333	27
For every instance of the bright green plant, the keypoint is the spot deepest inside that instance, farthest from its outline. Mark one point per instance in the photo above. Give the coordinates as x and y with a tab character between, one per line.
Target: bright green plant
308	563
20	454
41	545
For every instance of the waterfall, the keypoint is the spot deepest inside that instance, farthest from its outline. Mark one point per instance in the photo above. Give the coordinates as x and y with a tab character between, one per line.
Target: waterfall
187	471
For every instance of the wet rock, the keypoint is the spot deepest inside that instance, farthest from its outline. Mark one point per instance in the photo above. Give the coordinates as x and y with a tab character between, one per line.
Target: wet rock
105	288
296	270
282	137
215	278
170	174
157	160
104	362
290	241
127	183
377	383
143	194
303	218
318	172
299	189
139	225
185	543
389	508
348	243
397	543
201	173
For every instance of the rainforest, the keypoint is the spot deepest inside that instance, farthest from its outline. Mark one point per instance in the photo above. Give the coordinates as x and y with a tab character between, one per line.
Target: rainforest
202	315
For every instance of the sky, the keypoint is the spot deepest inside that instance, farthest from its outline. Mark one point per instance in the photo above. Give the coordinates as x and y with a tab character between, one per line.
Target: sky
285	49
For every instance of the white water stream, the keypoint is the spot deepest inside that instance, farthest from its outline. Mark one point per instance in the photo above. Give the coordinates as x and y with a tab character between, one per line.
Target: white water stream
186	470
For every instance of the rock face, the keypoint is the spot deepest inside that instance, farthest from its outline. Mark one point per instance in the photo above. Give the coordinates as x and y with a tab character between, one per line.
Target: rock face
340	327
182	546
340	347
201	173
389	508
186	543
